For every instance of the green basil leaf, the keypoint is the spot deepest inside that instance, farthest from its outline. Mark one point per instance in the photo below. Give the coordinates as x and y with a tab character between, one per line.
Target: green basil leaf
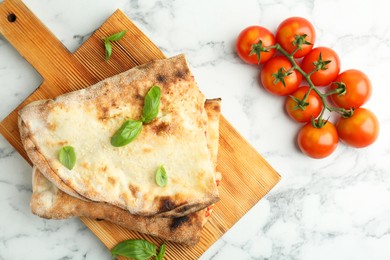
151	104
161	176
135	249
126	133
116	37
161	253
112	38
67	157
108	48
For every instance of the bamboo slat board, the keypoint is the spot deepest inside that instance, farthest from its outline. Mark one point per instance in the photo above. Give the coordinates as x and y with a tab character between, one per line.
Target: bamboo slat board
247	177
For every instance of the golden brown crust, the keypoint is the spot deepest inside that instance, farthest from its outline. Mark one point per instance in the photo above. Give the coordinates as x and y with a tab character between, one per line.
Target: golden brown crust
51	203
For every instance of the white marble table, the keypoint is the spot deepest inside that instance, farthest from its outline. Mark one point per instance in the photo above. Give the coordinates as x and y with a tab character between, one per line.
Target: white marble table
335	208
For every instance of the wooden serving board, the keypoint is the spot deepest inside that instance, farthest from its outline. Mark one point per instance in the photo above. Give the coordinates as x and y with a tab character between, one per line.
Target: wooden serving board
247	177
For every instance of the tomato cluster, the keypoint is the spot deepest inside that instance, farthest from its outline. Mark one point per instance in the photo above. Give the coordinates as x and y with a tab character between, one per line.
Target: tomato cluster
310	79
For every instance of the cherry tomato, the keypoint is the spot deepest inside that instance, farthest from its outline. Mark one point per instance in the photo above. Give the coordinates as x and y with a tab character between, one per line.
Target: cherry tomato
289	28
312	110
269	80
251	36
359	130
326	76
318	142
358	89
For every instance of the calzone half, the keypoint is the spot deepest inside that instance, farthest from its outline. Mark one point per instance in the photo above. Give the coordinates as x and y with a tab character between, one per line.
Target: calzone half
49	202
125	176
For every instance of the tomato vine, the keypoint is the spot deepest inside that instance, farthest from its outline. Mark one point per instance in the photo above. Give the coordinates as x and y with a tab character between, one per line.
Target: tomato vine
320	65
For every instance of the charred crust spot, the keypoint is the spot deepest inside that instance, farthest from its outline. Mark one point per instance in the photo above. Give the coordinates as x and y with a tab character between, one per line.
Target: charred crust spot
181	74
161	78
103	113
138	97
105	87
99	219
177	222
166	204
216	108
88	97
183	209
160	128
46	105
213	104
134	190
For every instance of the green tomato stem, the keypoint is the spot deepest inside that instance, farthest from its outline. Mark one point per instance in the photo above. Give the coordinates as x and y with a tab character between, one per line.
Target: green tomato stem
323	96
334	91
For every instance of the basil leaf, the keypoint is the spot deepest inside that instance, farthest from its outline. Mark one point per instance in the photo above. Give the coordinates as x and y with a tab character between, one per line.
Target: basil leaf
126	133
108	48
161	176
116	37
136	249
151	104
161	253
67	157
112	38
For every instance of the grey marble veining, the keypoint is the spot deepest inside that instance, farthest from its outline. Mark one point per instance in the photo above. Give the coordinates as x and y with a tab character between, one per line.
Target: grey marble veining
335	208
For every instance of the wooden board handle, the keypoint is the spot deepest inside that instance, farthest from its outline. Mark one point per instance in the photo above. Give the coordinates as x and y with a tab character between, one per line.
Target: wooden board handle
26	33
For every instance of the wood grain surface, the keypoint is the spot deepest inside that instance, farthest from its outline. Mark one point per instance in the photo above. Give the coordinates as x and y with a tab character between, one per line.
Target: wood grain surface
247	177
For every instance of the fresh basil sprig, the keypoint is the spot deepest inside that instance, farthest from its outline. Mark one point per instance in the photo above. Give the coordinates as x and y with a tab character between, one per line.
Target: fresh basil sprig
161	253
131	128
151	104
67	157
137	249
161	176
108	49
126	133
112	38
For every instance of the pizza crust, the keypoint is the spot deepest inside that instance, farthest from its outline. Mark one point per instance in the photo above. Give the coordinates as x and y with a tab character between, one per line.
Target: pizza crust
124	177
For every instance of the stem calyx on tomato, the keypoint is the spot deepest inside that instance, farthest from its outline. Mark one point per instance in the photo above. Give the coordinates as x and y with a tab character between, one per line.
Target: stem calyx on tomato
257	49
319	123
340	90
300	103
280	75
299	41
321	64
347	113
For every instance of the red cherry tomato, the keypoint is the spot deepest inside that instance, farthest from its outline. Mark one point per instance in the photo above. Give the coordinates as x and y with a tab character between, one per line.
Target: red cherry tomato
251	36
326	76
358	89
359	130
289	28
312	110
318	142
269	80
